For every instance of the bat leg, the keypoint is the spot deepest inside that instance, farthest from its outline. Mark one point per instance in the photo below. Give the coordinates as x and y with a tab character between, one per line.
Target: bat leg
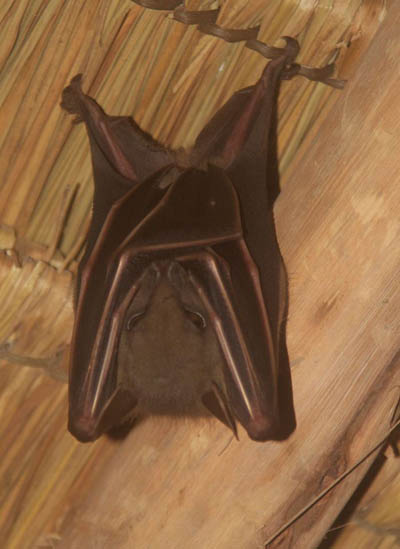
132	152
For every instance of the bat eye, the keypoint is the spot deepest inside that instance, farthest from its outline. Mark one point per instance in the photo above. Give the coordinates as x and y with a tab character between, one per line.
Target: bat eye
197	319
133	320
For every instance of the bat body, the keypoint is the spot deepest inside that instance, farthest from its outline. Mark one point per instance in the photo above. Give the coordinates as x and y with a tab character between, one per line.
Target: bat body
182	292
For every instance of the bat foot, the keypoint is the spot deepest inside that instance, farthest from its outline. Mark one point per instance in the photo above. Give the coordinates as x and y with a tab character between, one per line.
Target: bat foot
72	98
292	48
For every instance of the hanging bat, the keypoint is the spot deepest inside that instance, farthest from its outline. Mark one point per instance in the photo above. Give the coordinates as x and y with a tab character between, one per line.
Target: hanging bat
182	293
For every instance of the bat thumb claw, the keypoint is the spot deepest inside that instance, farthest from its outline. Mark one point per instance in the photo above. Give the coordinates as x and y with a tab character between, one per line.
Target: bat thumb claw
72	98
215	403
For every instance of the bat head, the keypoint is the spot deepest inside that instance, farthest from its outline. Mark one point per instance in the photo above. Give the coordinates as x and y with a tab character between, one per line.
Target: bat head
168	349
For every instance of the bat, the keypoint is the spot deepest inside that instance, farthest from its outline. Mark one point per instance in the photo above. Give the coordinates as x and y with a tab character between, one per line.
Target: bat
181	294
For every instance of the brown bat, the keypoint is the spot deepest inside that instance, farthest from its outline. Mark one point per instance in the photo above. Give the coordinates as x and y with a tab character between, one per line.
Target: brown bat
182	292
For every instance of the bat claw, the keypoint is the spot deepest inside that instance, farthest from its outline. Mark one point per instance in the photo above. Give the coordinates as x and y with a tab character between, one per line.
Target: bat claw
72	98
215	403
292	48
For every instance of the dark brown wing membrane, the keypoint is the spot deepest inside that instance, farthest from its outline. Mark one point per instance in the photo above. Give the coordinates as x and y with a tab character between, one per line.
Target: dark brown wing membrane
194	211
218	224
93	308
242	137
131	151
123	155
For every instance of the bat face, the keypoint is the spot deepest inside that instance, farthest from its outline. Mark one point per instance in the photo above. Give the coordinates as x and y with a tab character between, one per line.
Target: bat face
169	371
182	292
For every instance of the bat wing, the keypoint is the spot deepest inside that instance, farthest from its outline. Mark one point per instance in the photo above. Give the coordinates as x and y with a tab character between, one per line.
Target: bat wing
123	155
124	160
242	138
218	224
197	210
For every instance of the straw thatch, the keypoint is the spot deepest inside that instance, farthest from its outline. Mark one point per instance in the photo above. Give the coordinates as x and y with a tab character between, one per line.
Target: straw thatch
174	484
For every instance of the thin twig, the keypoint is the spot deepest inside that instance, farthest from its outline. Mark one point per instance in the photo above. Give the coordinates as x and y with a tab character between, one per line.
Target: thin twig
65	205
329	488
51	364
76	248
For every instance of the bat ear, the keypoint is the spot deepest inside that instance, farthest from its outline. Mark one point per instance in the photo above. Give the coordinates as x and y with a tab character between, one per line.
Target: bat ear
216	403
